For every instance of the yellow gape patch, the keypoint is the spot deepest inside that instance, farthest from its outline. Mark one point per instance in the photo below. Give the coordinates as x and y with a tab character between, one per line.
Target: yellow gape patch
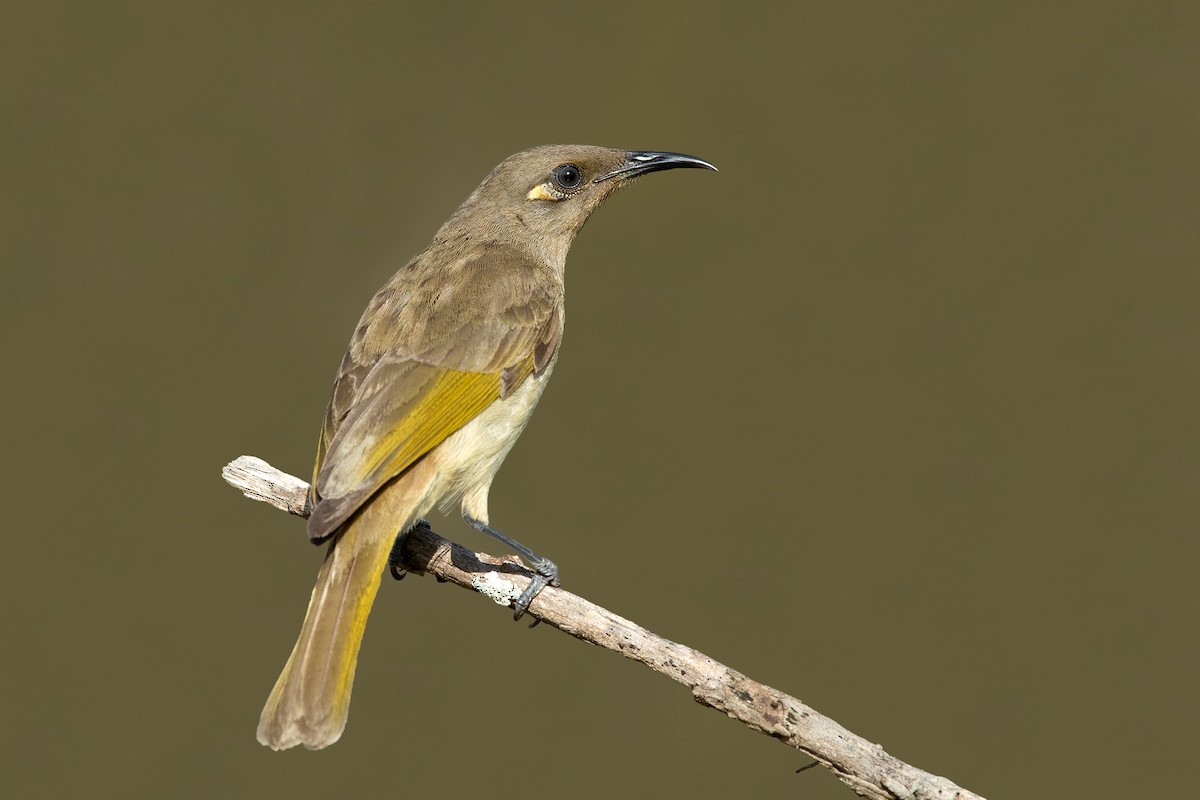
542	192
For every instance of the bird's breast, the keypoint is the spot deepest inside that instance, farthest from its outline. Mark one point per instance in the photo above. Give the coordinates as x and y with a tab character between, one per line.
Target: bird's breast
468	459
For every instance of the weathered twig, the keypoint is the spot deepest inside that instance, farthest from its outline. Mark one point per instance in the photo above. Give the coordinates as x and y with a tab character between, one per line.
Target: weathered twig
862	766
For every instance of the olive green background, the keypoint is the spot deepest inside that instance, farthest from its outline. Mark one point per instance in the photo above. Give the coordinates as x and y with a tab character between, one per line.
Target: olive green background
896	412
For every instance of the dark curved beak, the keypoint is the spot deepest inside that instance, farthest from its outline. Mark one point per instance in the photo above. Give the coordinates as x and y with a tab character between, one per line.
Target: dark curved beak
639	162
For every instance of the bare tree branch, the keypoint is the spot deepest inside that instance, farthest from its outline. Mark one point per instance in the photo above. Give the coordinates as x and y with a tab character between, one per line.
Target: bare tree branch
861	765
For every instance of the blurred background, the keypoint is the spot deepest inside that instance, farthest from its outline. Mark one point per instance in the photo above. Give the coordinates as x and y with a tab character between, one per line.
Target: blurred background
896	413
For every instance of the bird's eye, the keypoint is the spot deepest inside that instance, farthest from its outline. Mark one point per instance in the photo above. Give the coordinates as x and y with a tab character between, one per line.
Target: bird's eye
567	176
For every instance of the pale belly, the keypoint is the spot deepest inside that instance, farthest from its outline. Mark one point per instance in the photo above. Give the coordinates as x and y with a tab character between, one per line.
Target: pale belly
467	460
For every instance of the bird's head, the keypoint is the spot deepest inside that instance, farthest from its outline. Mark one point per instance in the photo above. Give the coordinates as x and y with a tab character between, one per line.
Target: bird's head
547	193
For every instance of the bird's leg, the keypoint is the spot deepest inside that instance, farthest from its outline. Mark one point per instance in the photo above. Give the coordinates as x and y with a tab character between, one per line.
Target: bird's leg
394	558
545	571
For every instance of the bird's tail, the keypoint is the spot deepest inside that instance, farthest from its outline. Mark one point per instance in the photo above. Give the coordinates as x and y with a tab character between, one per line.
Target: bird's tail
311	700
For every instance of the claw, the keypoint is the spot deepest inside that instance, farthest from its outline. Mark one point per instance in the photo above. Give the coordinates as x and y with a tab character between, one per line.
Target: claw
545	574
394	567
521	604
394	557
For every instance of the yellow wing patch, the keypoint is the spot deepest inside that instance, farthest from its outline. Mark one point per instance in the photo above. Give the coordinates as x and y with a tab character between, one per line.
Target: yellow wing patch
451	401
407	414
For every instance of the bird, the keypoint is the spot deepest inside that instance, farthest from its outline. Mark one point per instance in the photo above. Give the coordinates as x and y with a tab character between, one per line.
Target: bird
441	376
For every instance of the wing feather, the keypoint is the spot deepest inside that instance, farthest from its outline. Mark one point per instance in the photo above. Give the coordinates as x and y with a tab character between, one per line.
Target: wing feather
424	362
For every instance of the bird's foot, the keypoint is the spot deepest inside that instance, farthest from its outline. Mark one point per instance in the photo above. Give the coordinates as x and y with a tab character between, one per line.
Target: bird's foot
394	558
545	573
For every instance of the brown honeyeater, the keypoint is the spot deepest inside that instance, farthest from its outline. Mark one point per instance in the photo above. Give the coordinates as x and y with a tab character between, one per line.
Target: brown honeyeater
441	376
